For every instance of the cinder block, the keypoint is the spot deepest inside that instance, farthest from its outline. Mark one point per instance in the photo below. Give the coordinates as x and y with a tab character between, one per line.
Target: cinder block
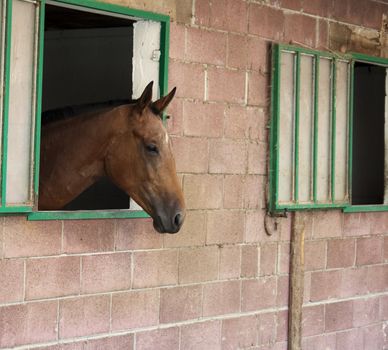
84	316
225	85
266	22
204	46
88	236
203	191
258	294
52	277
198	264
137	234
221	298
135	309
203	119
180	303
155	268
340	253
189	78
105	273
199	336
162	339
239	333
227	157
191	154
28	323
225	226
12	280
338	316
31	238
369	251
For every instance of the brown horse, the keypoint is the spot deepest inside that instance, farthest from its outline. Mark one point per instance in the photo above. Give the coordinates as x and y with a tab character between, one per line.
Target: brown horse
129	145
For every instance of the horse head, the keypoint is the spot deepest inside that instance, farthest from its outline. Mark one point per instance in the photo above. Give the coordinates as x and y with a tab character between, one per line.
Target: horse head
140	161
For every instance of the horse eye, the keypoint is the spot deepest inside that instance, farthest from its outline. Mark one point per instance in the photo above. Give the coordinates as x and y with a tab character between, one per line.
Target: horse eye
151	148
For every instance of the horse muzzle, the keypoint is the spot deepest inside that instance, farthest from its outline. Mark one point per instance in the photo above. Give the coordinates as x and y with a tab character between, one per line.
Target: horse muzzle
169	222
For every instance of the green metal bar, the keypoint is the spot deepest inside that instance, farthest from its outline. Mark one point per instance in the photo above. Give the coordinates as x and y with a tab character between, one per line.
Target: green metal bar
333	126
163	85
83	215
286	47
350	132
39	81
296	126
292	206
369	59
364	208
15	210
7	79
315	131
163	64
92	4
274	130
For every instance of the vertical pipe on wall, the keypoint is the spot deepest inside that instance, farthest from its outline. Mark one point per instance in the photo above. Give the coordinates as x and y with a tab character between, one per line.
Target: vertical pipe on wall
296	286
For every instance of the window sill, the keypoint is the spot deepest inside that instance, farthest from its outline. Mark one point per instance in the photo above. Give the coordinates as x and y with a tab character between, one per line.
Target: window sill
87	214
365	208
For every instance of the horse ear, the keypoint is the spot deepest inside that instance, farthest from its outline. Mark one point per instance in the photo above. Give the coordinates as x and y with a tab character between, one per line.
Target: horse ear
145	97
160	105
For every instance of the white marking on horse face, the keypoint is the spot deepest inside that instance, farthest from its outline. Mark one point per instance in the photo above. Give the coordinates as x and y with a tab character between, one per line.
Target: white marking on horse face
166	138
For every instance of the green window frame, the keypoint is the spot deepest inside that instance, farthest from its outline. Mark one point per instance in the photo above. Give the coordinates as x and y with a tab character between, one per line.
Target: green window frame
30	207
278	179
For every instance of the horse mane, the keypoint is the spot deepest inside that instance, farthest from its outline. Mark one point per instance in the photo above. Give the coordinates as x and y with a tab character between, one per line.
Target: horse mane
68	112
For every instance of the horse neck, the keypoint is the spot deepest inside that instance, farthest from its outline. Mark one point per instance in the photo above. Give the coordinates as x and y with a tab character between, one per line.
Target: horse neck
74	152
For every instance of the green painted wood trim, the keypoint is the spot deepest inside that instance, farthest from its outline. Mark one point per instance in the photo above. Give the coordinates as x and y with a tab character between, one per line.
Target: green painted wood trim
315	130
97	5
296	125
365	208
15	209
308	206
350	144
163	86
7	79
274	130
303	50
333	127
83	215
369	59
39	82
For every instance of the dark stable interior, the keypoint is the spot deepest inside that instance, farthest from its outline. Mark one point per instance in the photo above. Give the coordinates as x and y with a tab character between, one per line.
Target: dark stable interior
87	66
368	134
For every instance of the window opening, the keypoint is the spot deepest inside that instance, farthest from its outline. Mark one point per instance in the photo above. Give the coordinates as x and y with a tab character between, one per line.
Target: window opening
87	67
369	114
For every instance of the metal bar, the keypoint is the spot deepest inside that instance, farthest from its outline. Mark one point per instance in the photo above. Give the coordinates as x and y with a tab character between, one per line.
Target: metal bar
163	63
30	1
84	215
292	206
333	127
369	59
365	208
350	135
315	131
7	77
15	210
296	126
39	80
3	24
290	48
274	131
117	9
350	91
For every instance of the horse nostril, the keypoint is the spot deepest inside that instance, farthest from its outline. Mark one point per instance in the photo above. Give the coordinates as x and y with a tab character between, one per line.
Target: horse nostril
178	220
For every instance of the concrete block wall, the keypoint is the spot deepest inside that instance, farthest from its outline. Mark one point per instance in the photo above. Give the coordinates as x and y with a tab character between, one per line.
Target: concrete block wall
222	282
